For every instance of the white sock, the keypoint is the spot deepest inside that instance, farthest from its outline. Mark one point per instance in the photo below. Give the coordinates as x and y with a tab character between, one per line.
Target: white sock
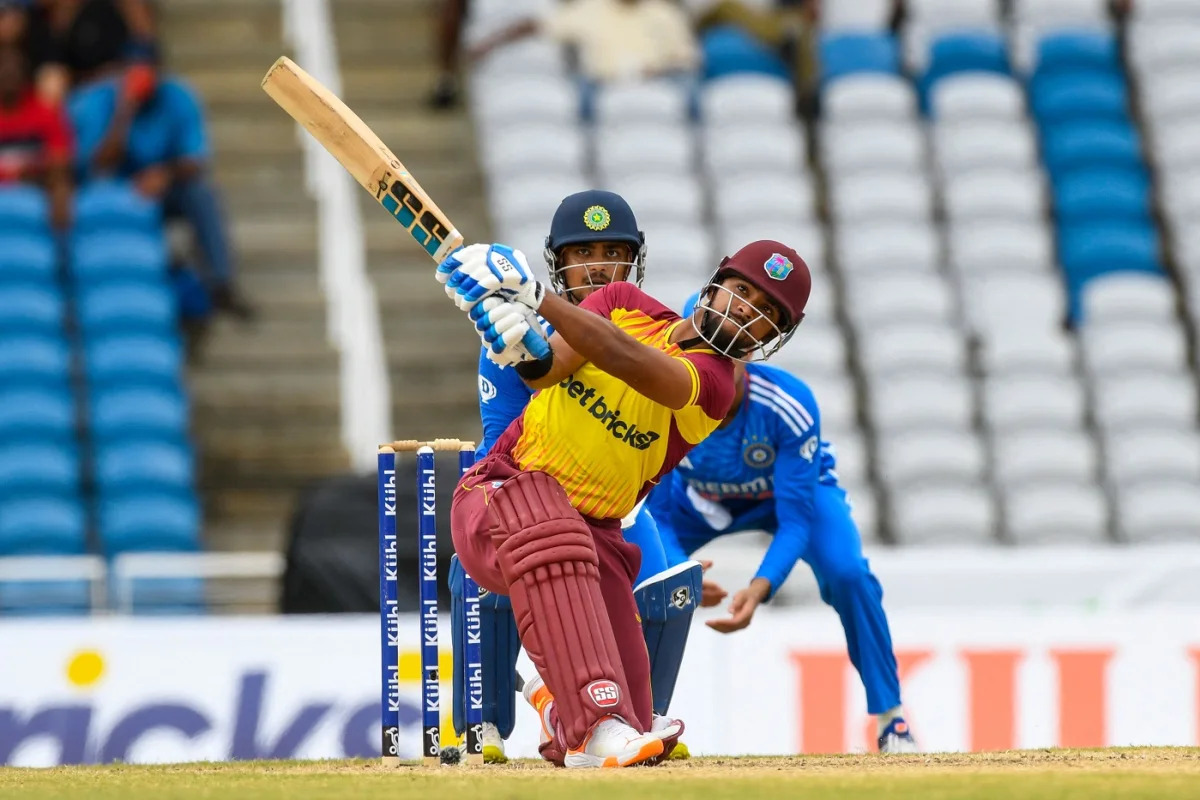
886	718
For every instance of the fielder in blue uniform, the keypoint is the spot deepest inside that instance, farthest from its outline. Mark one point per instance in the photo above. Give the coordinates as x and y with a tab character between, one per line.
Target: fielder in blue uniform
767	468
594	240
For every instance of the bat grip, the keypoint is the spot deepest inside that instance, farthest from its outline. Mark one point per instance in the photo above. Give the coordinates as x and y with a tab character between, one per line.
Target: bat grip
536	344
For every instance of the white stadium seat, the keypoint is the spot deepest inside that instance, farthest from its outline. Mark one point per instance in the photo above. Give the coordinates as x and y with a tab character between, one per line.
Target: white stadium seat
1067	455
1132	346
1123	296
863	510
1167	97
835	394
860	15
869	96
877	196
526	98
950	514
763	195
1152	454
873	146
747	98
911	347
527	58
897	402
627	148
1177	146
986	144
1159	45
911	458
730	149
973	197
849	453
976	96
1033	401
675	198
902	296
888	247
534	147
1158	511
1056	513
1147	399
533	198
1024	299
806	237
678	248
641	101
1001	246
814	349
1167	11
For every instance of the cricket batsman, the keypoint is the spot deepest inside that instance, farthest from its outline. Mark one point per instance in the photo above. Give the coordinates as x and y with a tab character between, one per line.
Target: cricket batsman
594	240
767	468
625	390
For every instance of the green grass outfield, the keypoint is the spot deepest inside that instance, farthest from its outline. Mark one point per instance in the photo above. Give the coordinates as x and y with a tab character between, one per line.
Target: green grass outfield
1149	772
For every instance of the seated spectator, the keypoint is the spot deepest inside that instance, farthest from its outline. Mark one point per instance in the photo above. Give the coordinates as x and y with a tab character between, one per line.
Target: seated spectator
73	42
615	39
35	138
151	131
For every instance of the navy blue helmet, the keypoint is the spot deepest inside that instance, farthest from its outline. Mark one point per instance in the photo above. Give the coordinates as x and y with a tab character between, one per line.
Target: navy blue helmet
593	216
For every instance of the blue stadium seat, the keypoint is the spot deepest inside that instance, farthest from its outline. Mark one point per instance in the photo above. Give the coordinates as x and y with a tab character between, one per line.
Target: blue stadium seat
119	256
1071	96
1095	249
24	209
1069	51
728	50
34	360
148	522
45	598
36	414
1102	195
31	308
110	205
132	466
1111	145
144	358
27	257
141	411
45	468
848	53
168	596
127	308
961	52
42	525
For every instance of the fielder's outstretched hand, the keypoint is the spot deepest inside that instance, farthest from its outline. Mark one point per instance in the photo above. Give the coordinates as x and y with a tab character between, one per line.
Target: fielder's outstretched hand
479	270
511	332
742	607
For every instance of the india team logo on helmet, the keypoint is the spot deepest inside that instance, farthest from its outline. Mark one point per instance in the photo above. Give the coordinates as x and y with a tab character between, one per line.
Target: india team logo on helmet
778	267
597	218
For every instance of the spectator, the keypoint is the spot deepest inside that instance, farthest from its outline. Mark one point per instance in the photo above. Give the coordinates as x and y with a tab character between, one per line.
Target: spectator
151	131
449	38
73	42
35	138
615	39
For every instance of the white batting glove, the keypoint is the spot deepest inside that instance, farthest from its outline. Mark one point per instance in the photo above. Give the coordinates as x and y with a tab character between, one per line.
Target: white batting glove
481	270
511	332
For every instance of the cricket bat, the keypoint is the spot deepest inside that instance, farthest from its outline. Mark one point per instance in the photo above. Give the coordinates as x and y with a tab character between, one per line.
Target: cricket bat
368	159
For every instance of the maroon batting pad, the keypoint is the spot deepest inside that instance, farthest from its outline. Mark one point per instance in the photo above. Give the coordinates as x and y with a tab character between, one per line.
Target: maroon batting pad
548	558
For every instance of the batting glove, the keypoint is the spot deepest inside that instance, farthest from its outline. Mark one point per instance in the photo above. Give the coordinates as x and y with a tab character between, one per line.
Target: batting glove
474	272
510	332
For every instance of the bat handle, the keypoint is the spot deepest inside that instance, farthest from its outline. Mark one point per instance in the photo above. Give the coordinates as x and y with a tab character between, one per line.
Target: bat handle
536	344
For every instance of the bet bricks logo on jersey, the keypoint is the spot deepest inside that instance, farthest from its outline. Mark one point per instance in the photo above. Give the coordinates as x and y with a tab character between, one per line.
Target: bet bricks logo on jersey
601	411
604	693
778	267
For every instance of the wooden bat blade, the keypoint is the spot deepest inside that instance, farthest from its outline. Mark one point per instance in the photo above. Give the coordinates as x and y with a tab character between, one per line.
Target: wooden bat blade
356	147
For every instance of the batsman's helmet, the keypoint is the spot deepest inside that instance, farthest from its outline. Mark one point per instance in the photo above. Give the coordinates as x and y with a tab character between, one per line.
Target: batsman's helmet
594	216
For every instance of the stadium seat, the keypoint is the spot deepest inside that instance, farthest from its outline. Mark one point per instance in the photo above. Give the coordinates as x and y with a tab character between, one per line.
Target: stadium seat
1059	13
1087	251
524	99
899	401
34	360
837	398
923	457
1099	195
944	514
1055	513
679	200
24	209
128	466
42	525
986	247
806	237
43	598
107	205
1170	97
849	53
964	51
872	146
533	147
886	247
642	101
850	454
533	199
883	298
732	148
1158	511
869	15
1152	398
133	358
1031	300
1152	454
986	144
626	149
33	468
27	257
521	60
38	414
1133	345
869	97
167	596
1178	146
1046	401
745	99
1154	47
994	195
678	248
1073	96
729	50
1065	455
112	308
112	256
1112	144
149	522
35	308
1076	51
127	412
911	347
1128	296
823	352
976	96
781	196
883	196
1016	350
1166	11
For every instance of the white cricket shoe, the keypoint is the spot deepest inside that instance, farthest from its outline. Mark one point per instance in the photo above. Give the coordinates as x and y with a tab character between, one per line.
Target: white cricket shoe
613	743
493	745
897	738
